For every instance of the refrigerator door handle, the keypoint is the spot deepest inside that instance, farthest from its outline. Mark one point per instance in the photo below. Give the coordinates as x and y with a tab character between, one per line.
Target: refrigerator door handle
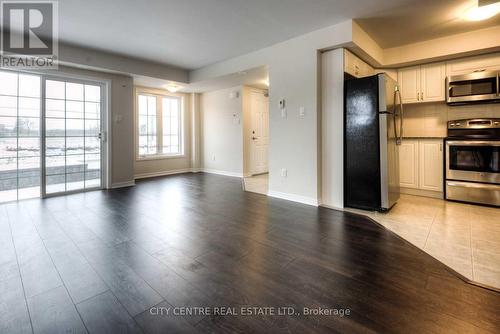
394	117
399	138
401	129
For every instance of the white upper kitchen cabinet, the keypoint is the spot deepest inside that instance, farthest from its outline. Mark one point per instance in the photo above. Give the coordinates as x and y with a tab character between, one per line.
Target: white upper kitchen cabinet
432	81
424	83
431	164
490	62
356	67
409	84
408	164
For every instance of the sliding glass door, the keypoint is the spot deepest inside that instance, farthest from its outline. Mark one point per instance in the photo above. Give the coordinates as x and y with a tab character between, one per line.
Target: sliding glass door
73	152
19	136
50	136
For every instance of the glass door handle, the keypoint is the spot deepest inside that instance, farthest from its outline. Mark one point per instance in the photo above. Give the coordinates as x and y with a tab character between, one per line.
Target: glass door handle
101	136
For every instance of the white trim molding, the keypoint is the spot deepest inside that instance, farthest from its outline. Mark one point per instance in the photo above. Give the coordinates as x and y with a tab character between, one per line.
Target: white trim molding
187	170
221	172
294	198
123	184
163	173
332	207
422	192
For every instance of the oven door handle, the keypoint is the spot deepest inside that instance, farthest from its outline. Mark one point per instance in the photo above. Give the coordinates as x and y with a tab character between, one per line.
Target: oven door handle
472	143
472	185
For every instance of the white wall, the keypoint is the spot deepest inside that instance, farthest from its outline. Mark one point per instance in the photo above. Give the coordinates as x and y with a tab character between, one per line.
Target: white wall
222	131
70	55
332	129
294	76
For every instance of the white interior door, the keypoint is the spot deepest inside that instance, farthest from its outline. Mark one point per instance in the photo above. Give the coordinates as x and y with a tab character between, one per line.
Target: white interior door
73	130
259	110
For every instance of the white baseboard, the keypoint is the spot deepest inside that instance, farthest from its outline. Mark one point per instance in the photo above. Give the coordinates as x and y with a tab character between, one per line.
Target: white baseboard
187	170
221	172
421	192
123	184
293	198
328	206
163	173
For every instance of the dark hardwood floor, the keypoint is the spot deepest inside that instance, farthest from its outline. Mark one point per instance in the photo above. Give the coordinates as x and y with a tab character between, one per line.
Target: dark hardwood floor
98	262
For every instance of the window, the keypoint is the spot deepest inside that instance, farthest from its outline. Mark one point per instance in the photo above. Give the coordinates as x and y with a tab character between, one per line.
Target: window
159	120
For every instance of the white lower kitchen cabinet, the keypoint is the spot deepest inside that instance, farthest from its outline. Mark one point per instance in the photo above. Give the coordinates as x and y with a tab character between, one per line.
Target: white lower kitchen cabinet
431	164
421	167
408	163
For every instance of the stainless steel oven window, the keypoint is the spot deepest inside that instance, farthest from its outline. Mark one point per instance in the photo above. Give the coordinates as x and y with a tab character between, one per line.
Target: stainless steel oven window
475	161
475	158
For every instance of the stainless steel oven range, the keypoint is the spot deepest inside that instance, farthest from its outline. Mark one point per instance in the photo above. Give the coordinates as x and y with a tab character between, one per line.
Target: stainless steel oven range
472	161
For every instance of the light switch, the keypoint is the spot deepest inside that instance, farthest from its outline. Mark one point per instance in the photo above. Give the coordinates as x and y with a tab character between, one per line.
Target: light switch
282	104
302	111
283	113
284	172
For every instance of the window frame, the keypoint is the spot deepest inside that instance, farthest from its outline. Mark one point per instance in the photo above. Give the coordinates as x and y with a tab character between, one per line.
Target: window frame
159	95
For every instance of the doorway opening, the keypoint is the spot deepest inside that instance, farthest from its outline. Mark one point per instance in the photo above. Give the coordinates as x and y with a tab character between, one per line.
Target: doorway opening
256	112
51	136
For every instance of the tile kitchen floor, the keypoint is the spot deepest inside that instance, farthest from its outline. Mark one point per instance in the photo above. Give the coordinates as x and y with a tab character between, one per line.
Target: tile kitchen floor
462	236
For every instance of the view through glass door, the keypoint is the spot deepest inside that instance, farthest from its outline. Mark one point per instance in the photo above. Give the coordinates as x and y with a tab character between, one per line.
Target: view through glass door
73	152
50	136
19	136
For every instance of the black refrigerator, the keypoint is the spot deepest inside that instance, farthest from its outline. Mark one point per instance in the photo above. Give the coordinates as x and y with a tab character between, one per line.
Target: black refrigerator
372	131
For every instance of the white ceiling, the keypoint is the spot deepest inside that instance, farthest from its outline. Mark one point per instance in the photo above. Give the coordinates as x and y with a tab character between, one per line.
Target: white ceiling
194	33
424	20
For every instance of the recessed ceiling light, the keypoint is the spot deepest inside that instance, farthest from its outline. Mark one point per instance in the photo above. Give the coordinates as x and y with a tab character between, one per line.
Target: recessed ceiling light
173	88
479	13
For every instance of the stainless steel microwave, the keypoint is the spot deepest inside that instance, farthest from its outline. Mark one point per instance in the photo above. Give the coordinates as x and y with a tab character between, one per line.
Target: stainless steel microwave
475	87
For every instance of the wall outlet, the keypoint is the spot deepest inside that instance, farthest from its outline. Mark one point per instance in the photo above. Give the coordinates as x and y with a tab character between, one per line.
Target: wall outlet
284	172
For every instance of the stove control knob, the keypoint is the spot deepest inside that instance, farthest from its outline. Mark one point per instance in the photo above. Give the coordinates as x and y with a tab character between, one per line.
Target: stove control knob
457	124
452	124
496	123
